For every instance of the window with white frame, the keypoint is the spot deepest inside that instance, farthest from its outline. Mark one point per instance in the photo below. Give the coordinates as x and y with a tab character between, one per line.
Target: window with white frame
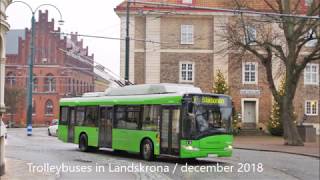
311	74
49	107
250	73
312	37
187	1
50	83
251	35
186	34
186	71
35	84
11	79
311	108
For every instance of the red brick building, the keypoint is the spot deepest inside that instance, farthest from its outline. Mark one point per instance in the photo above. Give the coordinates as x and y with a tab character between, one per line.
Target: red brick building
192	50
62	68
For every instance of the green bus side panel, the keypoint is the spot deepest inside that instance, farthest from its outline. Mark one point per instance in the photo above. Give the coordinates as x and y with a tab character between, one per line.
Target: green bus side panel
120	101
213	145
63	133
92	133
130	140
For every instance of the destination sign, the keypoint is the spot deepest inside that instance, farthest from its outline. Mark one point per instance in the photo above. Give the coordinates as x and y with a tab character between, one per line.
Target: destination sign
209	100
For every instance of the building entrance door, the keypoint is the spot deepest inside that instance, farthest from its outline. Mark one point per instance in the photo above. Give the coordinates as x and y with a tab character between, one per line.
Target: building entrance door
249	116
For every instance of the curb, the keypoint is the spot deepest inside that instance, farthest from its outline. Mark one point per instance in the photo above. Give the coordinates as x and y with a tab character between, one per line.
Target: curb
267	150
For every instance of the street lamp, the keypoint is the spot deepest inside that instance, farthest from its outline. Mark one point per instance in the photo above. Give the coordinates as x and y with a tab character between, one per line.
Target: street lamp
31	60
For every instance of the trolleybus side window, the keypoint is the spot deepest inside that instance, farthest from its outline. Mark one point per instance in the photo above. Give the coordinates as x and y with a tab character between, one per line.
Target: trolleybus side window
91	116
133	117
127	117
120	121
151	117
64	116
80	116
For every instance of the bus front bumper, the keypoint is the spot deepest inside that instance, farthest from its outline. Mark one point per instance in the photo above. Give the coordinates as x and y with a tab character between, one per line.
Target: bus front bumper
213	146
206	153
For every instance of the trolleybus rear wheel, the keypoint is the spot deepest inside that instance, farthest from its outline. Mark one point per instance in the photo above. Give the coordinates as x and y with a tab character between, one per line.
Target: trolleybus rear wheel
83	143
147	150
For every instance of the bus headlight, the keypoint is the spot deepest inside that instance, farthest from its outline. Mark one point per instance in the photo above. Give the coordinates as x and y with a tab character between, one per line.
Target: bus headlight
190	148
229	147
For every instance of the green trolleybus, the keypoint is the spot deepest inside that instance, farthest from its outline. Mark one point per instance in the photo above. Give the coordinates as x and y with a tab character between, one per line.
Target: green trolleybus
153	120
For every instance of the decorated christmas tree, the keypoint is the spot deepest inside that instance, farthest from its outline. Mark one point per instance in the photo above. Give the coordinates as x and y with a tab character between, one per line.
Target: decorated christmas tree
220	84
275	126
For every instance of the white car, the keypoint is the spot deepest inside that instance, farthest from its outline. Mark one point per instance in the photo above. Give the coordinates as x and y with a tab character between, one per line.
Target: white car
53	128
3	130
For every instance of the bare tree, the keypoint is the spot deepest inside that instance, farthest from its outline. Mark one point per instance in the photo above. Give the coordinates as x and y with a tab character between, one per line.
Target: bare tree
14	100
279	37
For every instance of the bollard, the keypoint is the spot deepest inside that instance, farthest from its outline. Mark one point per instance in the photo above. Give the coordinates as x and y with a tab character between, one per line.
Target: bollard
29	130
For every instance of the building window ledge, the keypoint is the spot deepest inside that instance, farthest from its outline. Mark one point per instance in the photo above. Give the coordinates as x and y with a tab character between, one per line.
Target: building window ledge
250	83
311	115
312	84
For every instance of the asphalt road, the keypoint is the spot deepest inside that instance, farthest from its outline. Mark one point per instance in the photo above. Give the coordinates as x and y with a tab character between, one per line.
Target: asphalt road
41	152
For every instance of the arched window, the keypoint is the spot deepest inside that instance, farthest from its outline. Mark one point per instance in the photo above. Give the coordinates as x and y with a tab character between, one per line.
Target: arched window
50	83
49	107
73	86
81	88
35	83
69	86
11	79
77	91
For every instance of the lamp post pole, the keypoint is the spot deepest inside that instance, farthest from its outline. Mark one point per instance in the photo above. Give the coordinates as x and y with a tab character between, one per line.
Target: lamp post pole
30	80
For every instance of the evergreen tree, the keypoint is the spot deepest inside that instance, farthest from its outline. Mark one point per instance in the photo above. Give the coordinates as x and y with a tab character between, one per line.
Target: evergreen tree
220	84
275	126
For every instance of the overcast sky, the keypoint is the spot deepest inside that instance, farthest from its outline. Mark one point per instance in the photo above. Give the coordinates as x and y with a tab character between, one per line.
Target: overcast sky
94	17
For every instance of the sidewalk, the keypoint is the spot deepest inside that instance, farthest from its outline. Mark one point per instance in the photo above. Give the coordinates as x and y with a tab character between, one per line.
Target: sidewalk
275	144
17	170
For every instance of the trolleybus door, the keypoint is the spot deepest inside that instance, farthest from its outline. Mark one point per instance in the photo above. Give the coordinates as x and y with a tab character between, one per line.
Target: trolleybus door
71	124
105	127
169	130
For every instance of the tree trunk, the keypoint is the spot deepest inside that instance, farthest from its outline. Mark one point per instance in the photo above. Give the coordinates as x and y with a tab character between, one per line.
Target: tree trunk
290	131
